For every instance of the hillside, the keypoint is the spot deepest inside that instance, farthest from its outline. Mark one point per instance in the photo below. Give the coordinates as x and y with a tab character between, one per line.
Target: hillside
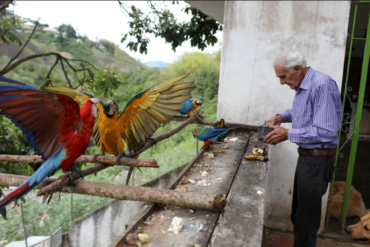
45	39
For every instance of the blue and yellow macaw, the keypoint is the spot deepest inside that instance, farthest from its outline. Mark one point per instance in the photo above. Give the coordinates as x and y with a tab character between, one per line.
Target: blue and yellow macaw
191	105
213	134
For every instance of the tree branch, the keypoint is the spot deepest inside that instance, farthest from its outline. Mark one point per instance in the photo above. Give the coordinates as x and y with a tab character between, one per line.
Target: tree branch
5	4
107	160
120	192
52	67
121	4
65	74
16	64
57	184
24	46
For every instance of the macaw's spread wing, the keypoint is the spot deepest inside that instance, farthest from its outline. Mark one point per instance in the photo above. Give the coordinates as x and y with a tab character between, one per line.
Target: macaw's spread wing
81	98
47	119
147	110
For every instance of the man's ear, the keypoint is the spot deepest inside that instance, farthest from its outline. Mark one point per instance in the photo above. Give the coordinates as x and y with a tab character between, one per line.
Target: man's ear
298	69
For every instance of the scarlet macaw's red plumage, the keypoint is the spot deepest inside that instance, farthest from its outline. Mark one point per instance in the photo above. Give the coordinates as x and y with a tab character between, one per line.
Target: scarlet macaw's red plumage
54	125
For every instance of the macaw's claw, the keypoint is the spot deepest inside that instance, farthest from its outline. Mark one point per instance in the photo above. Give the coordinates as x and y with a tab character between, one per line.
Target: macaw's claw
152	141
123	155
79	172
96	156
67	174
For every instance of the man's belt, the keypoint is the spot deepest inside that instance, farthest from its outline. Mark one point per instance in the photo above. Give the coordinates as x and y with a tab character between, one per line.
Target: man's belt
316	152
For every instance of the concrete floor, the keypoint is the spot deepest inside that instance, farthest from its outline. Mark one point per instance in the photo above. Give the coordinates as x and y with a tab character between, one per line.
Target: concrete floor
361	181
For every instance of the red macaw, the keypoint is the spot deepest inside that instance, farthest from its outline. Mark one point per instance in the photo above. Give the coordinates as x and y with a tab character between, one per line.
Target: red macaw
53	123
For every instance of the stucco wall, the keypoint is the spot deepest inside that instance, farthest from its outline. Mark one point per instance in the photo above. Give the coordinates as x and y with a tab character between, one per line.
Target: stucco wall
250	93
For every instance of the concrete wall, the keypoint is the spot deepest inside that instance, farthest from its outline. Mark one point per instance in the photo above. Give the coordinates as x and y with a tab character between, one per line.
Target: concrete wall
250	93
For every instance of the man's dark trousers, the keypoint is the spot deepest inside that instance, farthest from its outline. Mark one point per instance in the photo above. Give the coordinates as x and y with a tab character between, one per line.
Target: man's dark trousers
312	176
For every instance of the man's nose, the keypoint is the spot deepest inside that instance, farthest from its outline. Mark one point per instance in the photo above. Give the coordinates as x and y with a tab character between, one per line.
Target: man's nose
282	81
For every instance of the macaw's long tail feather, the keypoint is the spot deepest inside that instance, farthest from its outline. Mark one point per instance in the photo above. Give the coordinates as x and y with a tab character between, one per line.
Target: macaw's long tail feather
16	194
131	170
129	175
46	169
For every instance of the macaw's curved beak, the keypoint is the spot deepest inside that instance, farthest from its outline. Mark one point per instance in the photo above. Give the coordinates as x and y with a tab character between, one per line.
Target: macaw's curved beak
198	102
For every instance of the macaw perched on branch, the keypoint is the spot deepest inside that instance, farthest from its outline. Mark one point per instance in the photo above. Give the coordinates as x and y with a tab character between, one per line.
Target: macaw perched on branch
213	134
53	123
139	120
191	105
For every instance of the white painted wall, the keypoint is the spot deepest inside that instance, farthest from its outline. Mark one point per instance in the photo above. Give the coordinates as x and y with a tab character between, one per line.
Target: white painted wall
250	93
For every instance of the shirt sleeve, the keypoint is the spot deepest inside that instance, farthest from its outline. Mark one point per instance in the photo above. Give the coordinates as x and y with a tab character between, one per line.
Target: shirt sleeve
327	117
287	116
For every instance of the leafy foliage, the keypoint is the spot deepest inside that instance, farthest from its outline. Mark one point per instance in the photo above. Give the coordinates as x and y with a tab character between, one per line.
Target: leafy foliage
67	30
162	23
106	82
6	35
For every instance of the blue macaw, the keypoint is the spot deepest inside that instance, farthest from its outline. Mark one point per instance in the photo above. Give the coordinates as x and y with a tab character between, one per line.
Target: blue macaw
213	134
191	105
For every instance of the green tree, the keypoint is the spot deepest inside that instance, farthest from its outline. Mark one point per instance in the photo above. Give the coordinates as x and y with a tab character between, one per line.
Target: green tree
67	30
162	23
204	69
108	46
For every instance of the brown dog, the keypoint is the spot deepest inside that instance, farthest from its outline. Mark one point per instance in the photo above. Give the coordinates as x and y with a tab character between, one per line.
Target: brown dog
356	206
361	230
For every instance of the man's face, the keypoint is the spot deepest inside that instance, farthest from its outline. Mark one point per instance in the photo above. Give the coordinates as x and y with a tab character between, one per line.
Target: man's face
292	80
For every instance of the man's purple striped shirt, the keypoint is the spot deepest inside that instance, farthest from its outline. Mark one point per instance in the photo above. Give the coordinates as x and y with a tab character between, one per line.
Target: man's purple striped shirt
316	115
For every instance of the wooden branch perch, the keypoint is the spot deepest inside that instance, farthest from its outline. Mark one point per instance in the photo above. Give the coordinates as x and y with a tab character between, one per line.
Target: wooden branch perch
58	184
211	123
63	181
146	194
110	161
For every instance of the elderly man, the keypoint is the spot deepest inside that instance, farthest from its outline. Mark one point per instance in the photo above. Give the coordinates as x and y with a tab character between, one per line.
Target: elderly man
316	116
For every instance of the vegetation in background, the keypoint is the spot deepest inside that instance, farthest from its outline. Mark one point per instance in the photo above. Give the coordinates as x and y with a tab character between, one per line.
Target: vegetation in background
43	219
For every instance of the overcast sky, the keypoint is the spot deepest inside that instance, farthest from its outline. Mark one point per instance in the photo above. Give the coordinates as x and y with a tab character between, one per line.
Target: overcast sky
104	20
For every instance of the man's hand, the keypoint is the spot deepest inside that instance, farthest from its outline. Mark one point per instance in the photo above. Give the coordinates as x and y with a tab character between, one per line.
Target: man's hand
279	134
275	121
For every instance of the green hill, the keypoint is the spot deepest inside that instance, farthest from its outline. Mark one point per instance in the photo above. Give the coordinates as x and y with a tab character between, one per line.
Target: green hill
44	40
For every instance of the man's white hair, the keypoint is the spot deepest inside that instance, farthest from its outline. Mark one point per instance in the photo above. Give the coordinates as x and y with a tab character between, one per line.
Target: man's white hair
289	59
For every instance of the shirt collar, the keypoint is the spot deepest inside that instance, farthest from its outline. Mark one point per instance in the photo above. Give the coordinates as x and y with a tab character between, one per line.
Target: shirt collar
305	84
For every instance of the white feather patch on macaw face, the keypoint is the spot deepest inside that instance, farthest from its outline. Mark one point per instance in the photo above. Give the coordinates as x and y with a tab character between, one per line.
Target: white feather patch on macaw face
112	107
94	109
